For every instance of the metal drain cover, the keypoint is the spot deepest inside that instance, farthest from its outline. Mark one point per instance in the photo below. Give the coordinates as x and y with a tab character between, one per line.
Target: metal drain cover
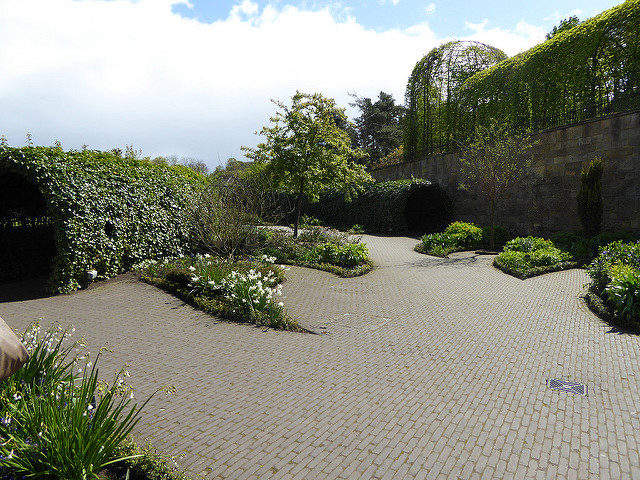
566	386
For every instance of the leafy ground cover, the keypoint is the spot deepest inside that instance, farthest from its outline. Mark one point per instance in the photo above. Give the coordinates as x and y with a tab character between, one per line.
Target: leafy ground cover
57	420
460	236
614	292
525	257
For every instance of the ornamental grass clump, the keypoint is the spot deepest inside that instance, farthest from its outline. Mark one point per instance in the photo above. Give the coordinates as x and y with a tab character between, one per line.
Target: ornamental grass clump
56	419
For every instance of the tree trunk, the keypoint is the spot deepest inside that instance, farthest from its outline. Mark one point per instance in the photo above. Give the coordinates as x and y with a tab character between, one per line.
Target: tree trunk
296	221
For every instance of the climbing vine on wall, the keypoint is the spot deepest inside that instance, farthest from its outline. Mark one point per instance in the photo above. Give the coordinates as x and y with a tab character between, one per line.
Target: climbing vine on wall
585	72
432	98
107	212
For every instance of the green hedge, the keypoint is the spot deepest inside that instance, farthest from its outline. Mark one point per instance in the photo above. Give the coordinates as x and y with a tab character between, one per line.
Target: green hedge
106	212
589	70
400	206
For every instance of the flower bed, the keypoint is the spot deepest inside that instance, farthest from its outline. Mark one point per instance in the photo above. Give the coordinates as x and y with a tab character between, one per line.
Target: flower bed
320	248
525	257
243	290
614	292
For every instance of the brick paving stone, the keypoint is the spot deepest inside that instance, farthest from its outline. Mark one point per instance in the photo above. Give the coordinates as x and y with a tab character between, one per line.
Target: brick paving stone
423	368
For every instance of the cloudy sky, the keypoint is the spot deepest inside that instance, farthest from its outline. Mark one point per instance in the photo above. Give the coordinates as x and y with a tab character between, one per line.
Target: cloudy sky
194	78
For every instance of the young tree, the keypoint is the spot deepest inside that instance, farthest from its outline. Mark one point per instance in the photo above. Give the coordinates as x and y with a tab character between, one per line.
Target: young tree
306	151
493	163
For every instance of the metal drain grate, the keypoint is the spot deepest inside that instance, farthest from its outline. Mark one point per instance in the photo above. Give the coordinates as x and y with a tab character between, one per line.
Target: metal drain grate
565	386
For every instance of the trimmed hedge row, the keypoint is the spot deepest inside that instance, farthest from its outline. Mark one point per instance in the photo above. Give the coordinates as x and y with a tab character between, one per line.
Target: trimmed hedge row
107	212
401	206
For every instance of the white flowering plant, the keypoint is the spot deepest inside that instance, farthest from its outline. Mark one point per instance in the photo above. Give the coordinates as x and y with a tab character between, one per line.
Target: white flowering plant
56	419
245	290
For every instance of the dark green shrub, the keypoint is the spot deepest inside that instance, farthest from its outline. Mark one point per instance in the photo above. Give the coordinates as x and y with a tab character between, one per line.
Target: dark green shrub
605	238
107	213
388	207
590	198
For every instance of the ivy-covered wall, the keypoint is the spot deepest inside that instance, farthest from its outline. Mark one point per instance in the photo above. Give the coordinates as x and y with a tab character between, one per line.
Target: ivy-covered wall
589	71
105	212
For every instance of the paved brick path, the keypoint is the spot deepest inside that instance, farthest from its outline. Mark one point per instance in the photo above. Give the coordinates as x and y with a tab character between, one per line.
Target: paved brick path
428	368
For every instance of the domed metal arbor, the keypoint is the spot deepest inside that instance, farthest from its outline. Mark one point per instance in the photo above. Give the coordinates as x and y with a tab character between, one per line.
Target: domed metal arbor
434	116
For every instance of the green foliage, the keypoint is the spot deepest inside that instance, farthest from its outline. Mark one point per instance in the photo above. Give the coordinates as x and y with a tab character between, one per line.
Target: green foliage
612	254
525	257
590	69
318	247
565	24
58	421
243	291
590	198
378	128
437	244
348	255
582	71
107	212
615	283
464	235
623	293
388	207
528	244
434	113
456	237
143	464
307	152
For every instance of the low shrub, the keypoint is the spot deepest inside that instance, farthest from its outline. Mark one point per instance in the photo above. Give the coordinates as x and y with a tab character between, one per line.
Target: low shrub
56	419
614	292
320	248
456	237
623	293
525	257
347	255
464	235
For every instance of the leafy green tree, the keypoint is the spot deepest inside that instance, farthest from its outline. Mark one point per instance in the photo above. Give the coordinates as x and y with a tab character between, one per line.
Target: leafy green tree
493	163
306	152
378	129
564	25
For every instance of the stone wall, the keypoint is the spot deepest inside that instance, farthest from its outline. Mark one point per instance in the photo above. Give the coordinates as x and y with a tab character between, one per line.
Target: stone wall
546	201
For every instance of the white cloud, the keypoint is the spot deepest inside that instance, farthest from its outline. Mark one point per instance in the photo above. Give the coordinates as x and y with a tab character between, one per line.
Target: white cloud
511	41
109	73
430	9
557	16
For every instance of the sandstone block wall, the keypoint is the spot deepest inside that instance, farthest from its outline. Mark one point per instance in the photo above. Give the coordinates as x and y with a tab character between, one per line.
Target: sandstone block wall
546	201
